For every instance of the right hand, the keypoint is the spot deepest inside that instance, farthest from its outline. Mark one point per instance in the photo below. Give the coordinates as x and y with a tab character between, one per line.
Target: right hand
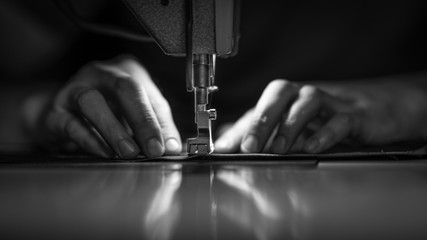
111	109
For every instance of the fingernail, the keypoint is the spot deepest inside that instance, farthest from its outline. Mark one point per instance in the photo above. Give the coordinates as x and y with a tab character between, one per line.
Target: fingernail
154	148
250	144
279	144
312	145
172	145
127	148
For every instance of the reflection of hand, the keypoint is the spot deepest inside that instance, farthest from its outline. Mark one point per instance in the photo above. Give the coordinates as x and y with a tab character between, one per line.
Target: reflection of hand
164	210
243	181
250	206
288	114
114	102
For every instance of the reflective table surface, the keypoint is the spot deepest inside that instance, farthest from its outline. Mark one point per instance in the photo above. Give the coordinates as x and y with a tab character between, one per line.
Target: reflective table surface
302	199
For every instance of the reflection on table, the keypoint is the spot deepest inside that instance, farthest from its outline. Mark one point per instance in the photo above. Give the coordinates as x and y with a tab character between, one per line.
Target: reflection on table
220	201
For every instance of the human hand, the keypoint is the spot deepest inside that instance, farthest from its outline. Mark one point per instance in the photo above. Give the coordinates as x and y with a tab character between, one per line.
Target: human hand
290	117
113	108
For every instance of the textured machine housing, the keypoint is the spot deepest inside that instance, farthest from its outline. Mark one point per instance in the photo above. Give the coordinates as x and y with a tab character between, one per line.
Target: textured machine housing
166	22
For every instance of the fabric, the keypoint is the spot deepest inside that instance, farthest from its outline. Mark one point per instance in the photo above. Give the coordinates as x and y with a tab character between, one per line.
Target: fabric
291	159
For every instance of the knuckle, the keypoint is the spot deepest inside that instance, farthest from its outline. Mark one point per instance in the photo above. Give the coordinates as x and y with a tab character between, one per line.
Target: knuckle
86	97
148	118
128	59
260	119
261	123
93	67
94	64
161	106
146	121
310	91
125	83
98	70
105	70
89	69
282	83
289	122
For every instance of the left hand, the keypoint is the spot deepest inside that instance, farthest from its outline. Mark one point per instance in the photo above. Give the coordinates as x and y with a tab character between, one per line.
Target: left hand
291	117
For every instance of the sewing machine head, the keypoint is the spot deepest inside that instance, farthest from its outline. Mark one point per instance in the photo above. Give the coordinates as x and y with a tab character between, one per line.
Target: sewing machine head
201	30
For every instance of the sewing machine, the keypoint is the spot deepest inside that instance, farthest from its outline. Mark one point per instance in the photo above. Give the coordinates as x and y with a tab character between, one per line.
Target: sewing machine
377	194
201	30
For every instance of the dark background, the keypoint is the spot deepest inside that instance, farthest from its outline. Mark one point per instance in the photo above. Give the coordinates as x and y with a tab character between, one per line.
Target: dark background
297	40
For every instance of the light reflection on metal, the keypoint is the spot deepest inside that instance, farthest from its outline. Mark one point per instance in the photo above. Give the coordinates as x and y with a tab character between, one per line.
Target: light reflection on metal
203	85
214	214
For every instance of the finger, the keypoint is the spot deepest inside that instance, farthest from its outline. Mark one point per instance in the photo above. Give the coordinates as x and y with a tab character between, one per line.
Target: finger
333	132
300	142
268	111
72	128
302	111
269	142
229	141
95	109
131	98
308	131
223	128
173	144
136	106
